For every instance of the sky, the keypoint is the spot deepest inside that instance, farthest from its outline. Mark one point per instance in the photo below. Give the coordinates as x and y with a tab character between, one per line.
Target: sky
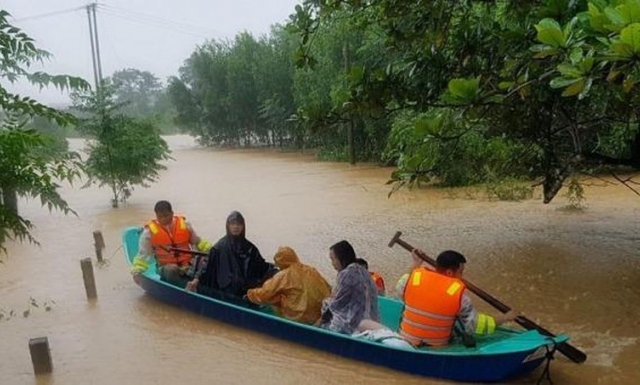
150	35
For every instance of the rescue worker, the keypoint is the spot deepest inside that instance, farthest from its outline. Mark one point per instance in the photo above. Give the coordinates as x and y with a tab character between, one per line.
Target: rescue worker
166	231
295	292
434	300
376	277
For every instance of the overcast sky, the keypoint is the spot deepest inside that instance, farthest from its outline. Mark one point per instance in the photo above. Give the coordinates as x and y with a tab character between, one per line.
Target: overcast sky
151	35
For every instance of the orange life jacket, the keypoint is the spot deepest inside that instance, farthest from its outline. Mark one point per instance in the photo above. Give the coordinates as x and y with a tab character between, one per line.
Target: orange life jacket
377	278
431	304
180	239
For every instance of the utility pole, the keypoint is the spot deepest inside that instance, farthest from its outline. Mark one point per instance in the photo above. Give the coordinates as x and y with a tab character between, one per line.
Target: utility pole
95	46
95	33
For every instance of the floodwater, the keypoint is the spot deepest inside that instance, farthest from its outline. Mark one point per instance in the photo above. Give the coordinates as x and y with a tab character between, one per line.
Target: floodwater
571	271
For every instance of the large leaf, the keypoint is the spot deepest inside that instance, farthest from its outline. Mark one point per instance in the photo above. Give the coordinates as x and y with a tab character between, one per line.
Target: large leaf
429	125
615	17
575	88
561	82
631	35
630	11
569	70
464	91
549	32
597	19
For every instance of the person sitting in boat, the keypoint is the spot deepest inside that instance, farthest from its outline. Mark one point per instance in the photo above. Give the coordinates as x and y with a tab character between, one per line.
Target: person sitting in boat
435	299
295	292
159	234
354	297
377	278
234	264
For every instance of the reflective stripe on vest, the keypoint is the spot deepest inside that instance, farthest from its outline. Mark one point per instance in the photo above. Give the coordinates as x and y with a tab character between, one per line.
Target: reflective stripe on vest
486	324
162	237
428	314
432	302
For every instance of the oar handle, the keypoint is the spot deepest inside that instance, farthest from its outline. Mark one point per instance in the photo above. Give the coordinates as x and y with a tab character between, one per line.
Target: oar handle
475	289
568	350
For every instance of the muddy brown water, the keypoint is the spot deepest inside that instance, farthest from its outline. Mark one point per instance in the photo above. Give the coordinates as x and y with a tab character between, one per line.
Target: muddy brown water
572	271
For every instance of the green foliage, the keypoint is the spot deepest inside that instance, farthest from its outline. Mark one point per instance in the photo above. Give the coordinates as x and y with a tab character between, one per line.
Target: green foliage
503	89
440	146
575	195
126	152
248	92
462	91
55	133
141	95
29	165
509	190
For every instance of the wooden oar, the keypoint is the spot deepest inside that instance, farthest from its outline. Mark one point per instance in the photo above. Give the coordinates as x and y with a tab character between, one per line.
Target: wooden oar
571	352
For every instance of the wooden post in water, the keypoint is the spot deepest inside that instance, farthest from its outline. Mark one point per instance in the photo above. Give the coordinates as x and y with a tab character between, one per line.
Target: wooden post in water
87	276
40	355
98	243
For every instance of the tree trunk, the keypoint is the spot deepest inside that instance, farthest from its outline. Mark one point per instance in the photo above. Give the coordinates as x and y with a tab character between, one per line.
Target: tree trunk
350	142
10	199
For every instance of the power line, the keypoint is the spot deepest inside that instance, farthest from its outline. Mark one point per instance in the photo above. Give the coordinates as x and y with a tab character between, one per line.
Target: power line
155	21
49	14
161	20
132	19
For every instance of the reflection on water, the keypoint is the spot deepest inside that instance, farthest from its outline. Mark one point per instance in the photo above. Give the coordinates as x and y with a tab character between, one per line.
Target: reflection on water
574	272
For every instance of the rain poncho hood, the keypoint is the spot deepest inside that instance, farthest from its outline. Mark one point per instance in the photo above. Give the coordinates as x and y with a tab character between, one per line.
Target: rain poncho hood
285	257
234	264
295	292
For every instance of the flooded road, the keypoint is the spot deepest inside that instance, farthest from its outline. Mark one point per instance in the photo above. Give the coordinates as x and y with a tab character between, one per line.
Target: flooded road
571	271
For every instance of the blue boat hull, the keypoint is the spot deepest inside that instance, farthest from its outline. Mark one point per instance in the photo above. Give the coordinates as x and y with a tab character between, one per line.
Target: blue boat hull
481	366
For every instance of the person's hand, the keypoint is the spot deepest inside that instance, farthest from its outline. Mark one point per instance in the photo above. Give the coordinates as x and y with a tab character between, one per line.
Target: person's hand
417	261
136	278
507	317
192	285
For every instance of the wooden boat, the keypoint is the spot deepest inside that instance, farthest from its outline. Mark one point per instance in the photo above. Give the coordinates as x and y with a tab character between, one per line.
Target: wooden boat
506	354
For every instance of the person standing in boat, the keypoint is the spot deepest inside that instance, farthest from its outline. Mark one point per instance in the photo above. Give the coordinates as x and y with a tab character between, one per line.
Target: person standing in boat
295	292
377	278
434	300
234	264
354	297
167	230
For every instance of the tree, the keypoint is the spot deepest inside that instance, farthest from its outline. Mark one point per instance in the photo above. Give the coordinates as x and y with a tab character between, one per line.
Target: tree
25	168
551	99
126	151
136	90
142	95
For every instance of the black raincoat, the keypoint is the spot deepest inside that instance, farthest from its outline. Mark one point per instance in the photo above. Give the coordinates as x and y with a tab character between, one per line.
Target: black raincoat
234	265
